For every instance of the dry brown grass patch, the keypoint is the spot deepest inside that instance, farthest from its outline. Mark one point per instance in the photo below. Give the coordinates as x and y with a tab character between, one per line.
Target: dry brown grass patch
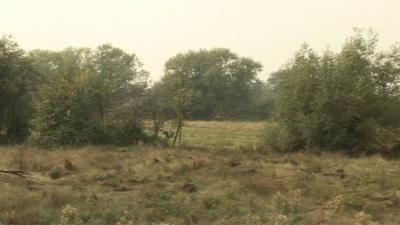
181	186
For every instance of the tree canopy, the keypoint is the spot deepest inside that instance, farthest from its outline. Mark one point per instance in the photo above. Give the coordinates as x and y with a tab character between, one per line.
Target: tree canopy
348	100
18	81
91	97
345	101
220	83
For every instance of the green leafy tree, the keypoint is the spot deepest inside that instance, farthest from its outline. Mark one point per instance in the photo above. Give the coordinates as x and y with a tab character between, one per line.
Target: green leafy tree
18	82
93	97
158	107
181	99
336	101
219	82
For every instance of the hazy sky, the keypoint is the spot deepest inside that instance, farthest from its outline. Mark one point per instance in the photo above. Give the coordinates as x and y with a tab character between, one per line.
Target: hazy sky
268	31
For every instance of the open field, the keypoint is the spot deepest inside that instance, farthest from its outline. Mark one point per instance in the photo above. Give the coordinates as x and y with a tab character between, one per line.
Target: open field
150	185
222	134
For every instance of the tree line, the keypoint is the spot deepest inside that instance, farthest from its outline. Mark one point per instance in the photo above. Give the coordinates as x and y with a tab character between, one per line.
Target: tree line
348	100
102	96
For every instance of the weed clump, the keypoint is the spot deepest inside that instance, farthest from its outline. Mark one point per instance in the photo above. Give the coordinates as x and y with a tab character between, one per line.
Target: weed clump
69	215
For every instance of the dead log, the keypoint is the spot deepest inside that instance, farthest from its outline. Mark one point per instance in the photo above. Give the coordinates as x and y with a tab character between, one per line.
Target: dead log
20	173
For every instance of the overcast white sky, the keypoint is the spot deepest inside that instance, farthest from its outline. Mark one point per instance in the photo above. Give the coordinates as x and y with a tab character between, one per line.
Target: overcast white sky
269	31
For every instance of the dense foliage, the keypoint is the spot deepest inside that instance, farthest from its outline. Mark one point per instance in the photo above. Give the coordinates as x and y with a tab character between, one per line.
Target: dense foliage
216	84
100	96
345	101
92	97
17	88
337	101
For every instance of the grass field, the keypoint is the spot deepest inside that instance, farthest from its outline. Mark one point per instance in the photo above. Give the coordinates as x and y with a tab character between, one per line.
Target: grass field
218	134
222	134
232	183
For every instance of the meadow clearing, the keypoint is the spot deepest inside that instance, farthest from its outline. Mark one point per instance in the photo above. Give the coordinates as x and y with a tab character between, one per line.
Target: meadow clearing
222	176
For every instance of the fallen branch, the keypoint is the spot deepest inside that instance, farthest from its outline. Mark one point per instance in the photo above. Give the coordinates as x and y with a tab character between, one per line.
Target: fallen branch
19	173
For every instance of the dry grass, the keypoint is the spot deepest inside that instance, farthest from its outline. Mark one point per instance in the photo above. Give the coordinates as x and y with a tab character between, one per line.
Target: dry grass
144	186
149	185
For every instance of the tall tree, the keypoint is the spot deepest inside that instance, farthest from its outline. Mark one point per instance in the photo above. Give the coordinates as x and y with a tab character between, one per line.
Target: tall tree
93	97
337	101
18	82
218	80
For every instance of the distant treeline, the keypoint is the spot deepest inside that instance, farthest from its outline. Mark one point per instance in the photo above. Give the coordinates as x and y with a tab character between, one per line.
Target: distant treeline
335	101
101	96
